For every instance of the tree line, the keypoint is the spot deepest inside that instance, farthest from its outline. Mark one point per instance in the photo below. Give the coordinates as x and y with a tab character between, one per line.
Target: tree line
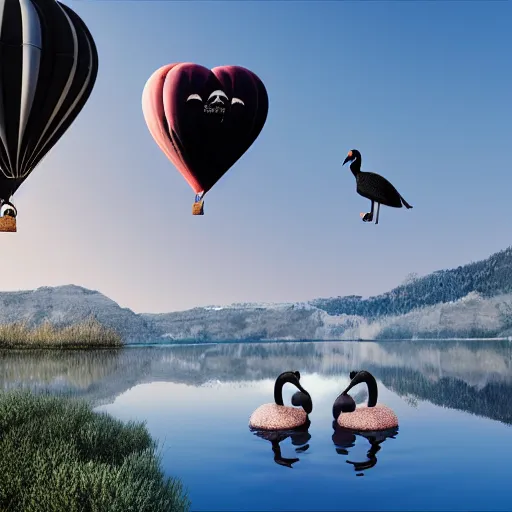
489	277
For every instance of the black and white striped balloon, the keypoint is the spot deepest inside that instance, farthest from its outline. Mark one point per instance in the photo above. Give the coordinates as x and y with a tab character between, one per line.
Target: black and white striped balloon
48	68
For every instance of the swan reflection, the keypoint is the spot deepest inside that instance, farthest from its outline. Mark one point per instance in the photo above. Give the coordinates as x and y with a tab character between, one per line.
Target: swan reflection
344	439
299	438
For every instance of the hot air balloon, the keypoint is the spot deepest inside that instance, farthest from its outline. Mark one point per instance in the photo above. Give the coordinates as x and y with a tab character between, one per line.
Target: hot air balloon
204	120
48	67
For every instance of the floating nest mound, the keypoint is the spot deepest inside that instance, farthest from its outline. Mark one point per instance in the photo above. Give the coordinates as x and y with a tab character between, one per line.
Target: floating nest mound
277	417
366	418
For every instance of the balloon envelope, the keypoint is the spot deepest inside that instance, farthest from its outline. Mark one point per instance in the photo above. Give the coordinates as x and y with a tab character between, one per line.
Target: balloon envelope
48	67
204	120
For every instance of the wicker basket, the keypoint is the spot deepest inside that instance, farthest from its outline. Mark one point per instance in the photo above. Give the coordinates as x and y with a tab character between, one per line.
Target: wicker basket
198	208
7	224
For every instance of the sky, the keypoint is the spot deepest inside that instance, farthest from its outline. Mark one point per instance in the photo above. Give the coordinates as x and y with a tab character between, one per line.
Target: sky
422	89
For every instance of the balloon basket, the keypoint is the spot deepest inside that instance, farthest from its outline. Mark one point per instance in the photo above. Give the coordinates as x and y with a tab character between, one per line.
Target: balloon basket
7	224
198	208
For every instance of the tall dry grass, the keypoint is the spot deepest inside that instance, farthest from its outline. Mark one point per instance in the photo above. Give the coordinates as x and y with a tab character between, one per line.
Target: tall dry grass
87	334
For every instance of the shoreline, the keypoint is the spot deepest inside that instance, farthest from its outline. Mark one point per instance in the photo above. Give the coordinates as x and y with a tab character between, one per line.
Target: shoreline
81	347
246	342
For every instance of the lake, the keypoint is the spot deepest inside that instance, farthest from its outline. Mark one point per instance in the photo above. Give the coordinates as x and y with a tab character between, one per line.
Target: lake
452	451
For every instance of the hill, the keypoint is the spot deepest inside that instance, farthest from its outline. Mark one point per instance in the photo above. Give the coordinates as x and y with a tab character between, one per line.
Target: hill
488	278
473	300
70	304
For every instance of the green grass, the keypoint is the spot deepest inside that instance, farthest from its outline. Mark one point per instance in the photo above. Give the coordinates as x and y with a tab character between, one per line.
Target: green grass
87	334
58	455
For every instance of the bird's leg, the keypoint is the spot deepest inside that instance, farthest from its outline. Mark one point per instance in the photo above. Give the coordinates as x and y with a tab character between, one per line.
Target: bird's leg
377	217
368	217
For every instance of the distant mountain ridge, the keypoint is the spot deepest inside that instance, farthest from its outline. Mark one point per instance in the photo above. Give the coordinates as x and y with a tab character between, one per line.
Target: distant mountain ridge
488	278
473	300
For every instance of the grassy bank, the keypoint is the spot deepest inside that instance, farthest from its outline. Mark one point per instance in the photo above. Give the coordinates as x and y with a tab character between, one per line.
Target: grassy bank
87	334
57	455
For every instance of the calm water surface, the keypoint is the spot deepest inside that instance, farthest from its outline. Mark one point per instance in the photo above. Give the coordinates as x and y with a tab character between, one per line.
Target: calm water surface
453	400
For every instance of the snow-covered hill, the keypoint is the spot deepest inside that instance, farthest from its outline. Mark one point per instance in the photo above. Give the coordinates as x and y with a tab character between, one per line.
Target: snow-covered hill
471	316
480	306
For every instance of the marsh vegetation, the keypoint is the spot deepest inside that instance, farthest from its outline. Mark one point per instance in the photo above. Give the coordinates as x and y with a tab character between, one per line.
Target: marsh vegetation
58	454
87	334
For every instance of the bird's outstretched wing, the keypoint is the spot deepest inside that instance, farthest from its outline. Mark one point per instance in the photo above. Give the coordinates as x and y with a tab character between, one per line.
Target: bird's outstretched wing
375	187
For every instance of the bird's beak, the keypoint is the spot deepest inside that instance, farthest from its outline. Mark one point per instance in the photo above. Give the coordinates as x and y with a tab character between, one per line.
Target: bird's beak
346	160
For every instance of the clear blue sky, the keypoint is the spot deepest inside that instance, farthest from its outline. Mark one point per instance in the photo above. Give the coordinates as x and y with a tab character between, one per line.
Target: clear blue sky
422	89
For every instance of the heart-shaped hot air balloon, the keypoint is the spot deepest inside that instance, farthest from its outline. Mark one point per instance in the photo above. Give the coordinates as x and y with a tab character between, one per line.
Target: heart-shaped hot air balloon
204	120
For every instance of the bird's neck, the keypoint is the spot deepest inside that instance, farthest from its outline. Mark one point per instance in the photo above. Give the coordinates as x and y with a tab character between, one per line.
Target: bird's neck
278	391
355	167
364	376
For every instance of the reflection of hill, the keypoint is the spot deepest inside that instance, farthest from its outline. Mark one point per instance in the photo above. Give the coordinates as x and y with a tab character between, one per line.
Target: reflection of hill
469	376
96	374
492	401
47	366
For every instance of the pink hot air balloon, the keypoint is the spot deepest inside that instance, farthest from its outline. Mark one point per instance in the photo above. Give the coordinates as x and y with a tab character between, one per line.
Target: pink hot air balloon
204	120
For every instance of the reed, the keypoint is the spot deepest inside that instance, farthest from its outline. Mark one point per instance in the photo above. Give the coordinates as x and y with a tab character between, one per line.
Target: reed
86	334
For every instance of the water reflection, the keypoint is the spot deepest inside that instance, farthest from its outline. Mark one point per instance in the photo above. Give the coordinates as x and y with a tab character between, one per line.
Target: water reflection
472	376
344	439
44	367
197	401
299	437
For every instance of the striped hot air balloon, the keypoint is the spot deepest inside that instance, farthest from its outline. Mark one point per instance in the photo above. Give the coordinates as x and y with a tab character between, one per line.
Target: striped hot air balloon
48	68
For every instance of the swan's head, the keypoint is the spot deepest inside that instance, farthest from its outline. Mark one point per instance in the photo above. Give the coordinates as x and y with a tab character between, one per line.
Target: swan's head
302	399
344	403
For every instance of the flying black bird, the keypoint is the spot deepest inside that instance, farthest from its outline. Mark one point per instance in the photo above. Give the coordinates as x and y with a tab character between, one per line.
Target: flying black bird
374	187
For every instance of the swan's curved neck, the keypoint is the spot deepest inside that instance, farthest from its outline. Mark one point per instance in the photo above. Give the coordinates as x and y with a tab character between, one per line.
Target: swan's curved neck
364	376
280	382
278	390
